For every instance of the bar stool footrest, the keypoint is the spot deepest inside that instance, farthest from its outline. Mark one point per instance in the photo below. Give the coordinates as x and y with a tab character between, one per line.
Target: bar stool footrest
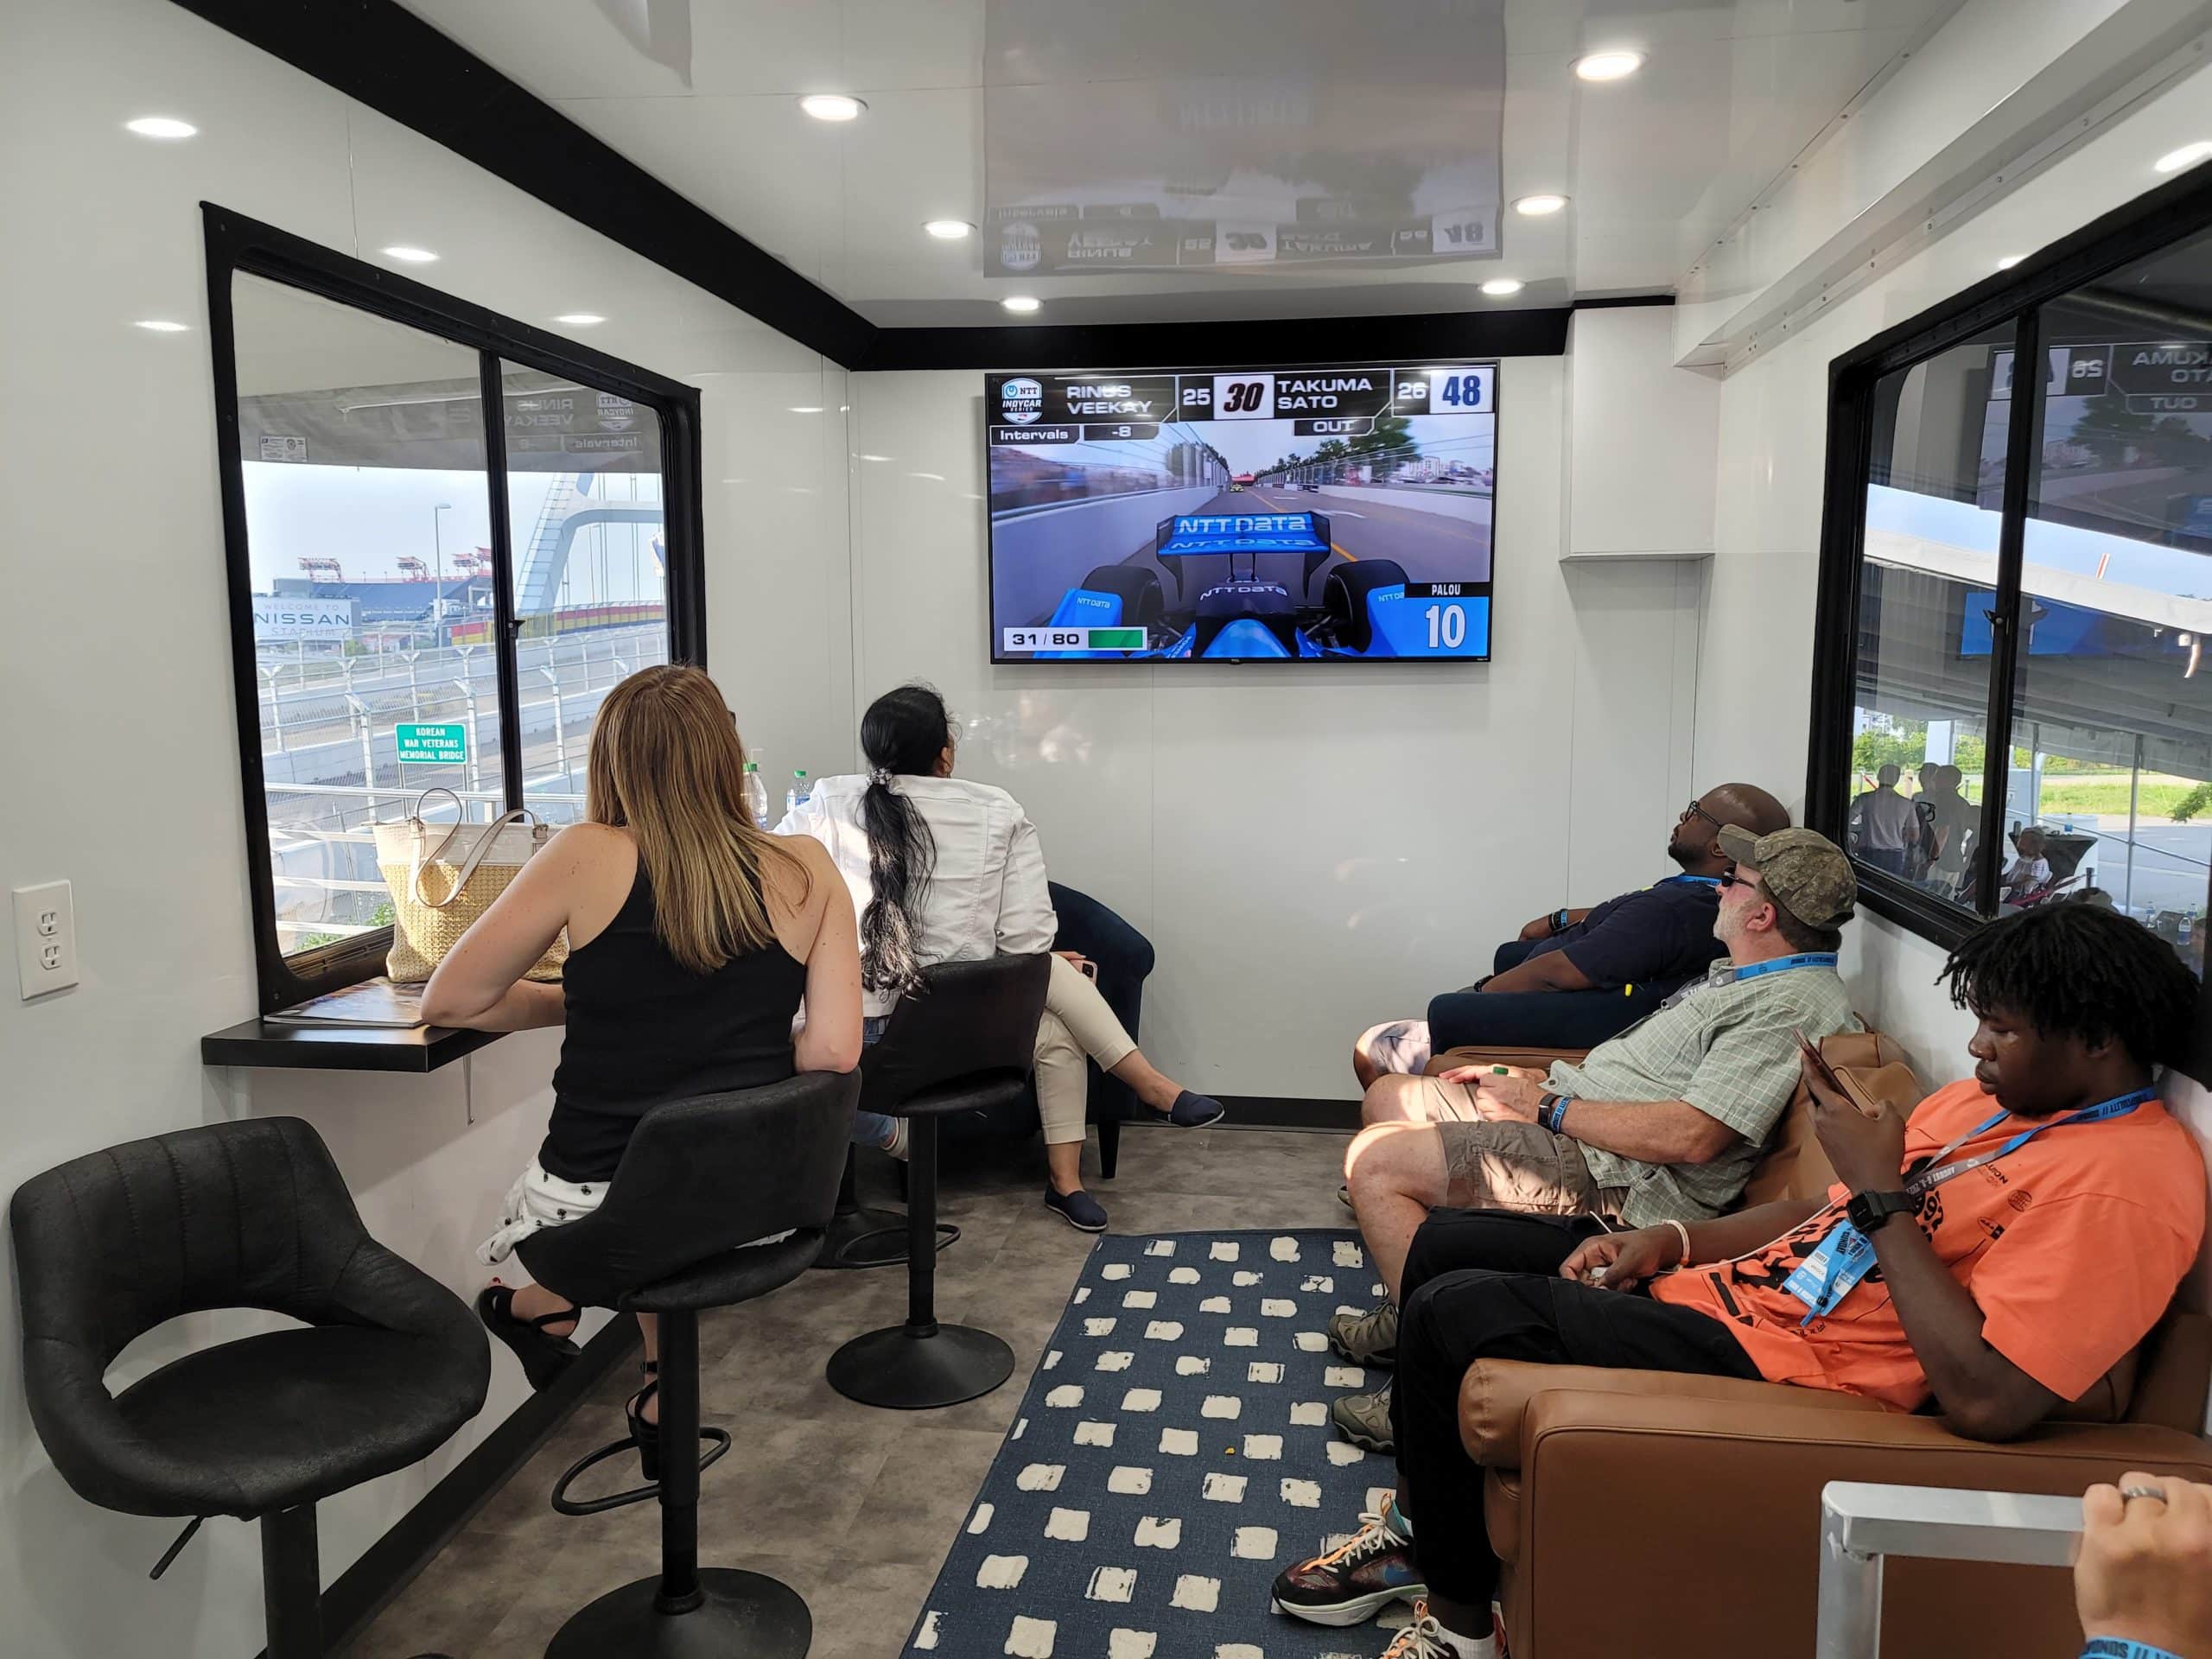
873	1238
717	1441
740	1615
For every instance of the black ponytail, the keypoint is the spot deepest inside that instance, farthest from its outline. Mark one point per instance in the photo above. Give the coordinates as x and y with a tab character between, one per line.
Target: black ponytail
902	734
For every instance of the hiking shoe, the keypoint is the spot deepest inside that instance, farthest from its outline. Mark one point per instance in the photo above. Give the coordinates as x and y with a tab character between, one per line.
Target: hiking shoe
1193	1111
1354	1581
1078	1209
1369	1338
1365	1419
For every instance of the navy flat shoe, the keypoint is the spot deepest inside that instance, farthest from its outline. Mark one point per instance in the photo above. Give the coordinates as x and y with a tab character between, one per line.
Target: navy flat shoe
1193	1111
1078	1209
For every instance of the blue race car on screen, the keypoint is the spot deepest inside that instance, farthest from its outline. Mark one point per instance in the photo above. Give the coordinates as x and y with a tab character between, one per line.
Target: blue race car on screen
1245	613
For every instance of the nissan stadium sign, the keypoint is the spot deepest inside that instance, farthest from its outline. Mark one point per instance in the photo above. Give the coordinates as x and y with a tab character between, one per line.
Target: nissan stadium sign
302	619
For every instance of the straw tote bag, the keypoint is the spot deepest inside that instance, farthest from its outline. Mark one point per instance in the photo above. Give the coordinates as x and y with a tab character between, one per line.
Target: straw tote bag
438	890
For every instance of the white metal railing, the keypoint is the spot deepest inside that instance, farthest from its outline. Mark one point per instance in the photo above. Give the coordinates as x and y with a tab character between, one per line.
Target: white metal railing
1863	1524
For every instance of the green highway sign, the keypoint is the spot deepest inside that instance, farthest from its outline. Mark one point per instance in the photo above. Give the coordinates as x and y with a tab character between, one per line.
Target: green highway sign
432	746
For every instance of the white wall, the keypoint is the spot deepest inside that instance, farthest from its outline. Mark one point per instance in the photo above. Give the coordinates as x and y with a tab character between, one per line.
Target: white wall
1758	632
118	767
1310	848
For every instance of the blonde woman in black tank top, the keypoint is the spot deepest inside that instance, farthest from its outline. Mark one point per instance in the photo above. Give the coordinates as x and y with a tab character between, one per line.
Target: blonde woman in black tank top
692	937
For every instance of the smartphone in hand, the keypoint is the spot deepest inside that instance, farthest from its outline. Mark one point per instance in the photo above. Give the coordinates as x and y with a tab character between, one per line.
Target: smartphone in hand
1827	1073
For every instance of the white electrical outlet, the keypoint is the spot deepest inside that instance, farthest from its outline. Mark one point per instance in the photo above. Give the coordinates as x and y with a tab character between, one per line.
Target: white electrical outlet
45	938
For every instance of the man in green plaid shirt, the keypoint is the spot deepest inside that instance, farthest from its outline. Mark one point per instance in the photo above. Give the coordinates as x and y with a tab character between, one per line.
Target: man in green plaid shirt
1663	1122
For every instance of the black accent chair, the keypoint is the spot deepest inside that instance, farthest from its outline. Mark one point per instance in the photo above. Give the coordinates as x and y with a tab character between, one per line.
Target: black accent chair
698	1178
867	1236
966	1043
250	1214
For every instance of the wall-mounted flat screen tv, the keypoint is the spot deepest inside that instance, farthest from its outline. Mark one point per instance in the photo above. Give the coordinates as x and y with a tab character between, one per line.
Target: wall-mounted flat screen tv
1243	515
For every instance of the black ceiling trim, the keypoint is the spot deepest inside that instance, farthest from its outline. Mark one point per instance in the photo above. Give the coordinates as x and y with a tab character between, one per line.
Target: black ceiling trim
1144	345
394	62
385	56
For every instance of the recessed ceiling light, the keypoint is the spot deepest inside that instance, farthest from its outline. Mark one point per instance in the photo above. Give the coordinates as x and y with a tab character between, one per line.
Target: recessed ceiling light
1537	207
949	229
411	256
161	126
832	106
1021	304
580	320
161	326
1498	286
1608	66
2188	155
935	478
806	409
875	457
2010	260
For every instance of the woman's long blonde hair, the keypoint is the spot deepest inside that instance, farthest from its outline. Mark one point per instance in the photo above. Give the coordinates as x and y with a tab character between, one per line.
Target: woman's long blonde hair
667	765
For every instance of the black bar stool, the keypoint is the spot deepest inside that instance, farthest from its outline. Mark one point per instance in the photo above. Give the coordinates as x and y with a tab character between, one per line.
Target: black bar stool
250	1214
965	1043
698	1178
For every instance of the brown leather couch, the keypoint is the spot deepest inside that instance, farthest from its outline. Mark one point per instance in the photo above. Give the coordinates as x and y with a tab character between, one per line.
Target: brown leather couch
1672	1515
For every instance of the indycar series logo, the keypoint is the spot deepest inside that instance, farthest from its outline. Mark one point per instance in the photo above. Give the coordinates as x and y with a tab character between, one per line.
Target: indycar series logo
1021	399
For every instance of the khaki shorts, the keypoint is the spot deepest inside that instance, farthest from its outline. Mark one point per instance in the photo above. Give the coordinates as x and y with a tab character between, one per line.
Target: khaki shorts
1524	1167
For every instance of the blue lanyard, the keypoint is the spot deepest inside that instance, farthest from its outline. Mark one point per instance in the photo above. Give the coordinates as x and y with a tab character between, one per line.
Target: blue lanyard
1687	881
1930	1178
1783	965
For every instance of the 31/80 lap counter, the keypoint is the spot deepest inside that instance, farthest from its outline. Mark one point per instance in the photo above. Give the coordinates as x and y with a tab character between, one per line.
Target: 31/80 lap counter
1065	638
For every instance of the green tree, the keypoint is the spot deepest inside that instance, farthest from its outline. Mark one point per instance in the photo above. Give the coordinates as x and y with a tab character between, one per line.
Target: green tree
1391	432
2108	430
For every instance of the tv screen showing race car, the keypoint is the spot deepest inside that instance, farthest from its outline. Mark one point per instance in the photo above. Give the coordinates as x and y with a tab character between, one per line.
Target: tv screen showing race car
1243	515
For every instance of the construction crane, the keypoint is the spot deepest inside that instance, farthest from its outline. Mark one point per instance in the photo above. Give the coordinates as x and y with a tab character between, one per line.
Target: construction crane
322	569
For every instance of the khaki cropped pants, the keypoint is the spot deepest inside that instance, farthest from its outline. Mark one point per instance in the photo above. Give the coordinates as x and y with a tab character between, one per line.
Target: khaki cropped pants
1076	1025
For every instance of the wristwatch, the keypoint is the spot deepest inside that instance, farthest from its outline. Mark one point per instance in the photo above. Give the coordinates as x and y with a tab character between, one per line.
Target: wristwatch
1868	1211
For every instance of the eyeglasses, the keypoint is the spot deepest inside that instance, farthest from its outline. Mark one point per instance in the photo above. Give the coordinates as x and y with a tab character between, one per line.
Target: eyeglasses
1696	810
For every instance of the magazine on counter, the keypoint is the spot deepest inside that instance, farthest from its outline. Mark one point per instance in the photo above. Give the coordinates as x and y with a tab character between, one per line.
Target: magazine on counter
377	1002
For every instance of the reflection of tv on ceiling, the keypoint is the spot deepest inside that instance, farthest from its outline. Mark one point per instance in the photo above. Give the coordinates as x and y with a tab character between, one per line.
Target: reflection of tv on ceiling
1293	514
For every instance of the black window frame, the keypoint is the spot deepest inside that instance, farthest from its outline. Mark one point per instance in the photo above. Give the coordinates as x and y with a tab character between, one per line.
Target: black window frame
238	245
2160	219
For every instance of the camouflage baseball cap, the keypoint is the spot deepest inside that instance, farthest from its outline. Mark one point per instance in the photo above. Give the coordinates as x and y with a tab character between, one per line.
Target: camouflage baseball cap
1803	872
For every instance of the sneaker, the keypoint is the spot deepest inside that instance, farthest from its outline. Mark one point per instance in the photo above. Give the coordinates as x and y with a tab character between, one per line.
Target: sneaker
1078	1209
902	1139
1192	1111
1365	1419
1369	1338
1424	1639
1354	1581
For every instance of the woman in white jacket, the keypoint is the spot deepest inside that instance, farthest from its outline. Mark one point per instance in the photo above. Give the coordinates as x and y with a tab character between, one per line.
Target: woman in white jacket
945	870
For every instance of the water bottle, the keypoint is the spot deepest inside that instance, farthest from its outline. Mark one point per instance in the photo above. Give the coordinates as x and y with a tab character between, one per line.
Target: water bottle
756	794
800	790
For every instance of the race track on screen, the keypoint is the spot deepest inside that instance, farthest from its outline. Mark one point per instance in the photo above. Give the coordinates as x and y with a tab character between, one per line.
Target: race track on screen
1038	554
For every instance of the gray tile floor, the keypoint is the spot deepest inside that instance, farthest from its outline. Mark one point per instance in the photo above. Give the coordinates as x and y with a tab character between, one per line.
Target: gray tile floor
853	1507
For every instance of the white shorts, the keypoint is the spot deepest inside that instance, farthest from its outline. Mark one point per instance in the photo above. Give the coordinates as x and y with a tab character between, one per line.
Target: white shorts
537	1200
1397	1045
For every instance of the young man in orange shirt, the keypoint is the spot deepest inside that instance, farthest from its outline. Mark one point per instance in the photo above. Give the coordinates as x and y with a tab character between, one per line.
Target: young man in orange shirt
2001	1251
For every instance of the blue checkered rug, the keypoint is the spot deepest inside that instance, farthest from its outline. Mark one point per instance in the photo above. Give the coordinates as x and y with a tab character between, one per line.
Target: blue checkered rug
1172	1452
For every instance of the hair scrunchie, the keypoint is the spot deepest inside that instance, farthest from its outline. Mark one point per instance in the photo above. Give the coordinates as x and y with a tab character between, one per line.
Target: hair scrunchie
880	777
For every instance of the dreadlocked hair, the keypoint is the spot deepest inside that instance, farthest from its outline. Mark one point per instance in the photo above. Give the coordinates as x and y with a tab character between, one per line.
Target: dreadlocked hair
2079	971
903	734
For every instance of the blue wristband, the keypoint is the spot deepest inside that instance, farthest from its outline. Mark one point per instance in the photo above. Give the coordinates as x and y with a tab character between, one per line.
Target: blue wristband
1555	1113
2112	1647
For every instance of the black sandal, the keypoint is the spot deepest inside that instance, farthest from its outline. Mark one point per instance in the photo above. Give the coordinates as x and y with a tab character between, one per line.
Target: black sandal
645	1435
544	1356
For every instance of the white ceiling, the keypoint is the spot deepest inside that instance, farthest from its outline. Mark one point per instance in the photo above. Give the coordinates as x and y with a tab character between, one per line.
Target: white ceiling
1209	110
